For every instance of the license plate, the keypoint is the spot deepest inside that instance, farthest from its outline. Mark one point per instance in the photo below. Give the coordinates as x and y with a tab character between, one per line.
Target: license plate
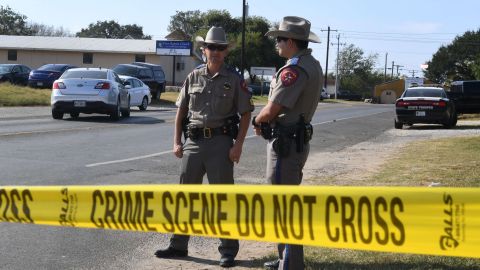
79	103
420	113
39	83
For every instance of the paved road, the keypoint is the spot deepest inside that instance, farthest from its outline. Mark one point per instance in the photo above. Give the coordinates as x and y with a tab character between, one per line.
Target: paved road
37	150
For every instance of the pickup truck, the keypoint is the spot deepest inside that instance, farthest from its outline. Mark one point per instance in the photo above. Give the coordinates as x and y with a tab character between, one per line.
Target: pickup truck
465	95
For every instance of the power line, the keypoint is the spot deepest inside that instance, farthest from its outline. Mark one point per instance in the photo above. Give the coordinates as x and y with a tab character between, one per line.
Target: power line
398	33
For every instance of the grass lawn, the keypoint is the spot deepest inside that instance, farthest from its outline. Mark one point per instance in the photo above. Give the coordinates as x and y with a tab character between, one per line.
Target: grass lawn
13	95
436	162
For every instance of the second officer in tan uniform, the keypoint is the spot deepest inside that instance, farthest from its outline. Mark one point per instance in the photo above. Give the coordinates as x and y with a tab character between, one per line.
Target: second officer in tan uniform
211	99
285	120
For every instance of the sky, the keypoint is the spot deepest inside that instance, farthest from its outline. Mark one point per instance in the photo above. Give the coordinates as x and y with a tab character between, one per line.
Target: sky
407	32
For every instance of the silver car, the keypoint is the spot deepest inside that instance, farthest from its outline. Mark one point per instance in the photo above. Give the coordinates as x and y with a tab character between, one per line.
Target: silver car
139	92
90	90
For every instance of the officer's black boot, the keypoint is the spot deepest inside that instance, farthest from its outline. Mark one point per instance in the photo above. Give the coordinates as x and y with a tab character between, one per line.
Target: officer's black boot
273	265
170	252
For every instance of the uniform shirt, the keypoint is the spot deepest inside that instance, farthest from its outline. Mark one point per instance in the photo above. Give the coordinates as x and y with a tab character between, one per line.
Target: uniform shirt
212	99
297	87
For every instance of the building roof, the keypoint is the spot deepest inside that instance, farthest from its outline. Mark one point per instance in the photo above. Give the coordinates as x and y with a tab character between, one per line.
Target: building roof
77	44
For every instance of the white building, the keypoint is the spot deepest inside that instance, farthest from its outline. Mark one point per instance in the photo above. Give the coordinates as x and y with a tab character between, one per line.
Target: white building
35	51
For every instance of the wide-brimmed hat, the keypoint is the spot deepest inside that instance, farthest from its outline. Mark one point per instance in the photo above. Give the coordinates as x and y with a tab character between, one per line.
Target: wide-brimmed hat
295	28
215	35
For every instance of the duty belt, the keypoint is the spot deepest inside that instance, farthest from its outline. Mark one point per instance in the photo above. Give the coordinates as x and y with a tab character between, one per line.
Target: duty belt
207	133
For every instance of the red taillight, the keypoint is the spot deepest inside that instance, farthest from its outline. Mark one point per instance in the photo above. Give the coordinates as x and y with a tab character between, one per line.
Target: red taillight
102	85
59	85
402	103
440	103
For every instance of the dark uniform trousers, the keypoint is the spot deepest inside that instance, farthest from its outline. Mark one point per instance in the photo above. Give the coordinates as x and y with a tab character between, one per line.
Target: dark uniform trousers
210	156
287	171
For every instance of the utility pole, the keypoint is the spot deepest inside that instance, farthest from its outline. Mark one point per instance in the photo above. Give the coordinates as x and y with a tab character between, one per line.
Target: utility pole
398	74
338	56
393	64
242	56
326	62
385	74
413	72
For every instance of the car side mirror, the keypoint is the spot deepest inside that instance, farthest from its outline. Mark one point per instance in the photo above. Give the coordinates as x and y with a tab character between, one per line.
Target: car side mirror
128	86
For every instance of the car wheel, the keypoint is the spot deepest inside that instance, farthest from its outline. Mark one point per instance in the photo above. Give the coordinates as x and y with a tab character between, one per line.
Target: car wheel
74	115
454	119
56	114
115	115
156	94
452	122
144	104
398	125
126	112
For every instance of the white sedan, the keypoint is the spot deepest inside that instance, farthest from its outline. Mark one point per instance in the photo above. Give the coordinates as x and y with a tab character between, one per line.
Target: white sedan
139	92
89	90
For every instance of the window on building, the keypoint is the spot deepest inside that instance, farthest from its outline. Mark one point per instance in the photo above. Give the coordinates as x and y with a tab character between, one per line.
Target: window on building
12	55
180	66
140	58
88	58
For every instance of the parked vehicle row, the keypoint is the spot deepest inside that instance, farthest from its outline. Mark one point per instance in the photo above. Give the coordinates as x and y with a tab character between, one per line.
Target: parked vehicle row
150	74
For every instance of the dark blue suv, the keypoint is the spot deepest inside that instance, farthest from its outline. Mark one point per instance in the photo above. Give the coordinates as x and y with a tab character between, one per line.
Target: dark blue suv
44	76
150	74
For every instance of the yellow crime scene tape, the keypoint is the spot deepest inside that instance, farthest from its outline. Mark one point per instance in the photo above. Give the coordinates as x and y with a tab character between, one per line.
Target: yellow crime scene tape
436	221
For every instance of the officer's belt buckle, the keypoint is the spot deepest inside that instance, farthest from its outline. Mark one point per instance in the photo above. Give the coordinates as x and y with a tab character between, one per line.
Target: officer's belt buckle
207	133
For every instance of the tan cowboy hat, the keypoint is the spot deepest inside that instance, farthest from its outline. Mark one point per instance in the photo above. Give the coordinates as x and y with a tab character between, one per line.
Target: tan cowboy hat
215	35
295	28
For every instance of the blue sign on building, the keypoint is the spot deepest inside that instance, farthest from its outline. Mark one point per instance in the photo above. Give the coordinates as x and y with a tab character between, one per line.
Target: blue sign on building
174	47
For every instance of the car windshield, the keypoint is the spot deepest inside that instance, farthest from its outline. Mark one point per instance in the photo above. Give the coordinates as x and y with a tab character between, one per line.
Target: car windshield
51	67
126	70
424	92
84	74
5	69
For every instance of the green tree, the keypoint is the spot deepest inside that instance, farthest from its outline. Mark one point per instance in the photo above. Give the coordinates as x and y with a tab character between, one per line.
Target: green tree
224	19
13	23
357	71
112	29
259	50
187	21
456	61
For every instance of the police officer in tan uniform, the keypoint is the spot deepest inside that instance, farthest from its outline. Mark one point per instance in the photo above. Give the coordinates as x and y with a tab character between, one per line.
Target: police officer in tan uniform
285	120
209	103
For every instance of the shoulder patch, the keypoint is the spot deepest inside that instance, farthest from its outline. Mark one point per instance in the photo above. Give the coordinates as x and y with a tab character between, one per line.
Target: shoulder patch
293	61
288	76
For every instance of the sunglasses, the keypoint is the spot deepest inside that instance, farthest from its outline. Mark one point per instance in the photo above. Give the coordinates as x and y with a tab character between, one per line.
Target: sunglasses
213	47
280	39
